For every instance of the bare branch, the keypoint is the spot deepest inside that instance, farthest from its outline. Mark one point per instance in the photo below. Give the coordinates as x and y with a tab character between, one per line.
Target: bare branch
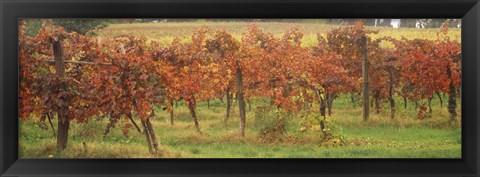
81	62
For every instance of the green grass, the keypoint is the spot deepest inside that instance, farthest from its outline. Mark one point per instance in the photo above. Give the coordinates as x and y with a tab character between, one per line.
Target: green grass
380	137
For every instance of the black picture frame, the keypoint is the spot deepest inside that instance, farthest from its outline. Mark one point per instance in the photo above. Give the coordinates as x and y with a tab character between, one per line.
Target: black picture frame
12	10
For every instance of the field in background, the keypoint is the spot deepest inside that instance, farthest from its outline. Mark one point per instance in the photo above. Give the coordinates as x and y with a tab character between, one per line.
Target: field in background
164	33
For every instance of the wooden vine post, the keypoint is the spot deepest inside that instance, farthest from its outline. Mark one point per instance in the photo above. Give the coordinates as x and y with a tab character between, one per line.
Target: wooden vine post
241	100
63	121
365	89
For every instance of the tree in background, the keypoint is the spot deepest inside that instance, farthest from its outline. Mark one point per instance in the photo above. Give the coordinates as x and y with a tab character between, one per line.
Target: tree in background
80	25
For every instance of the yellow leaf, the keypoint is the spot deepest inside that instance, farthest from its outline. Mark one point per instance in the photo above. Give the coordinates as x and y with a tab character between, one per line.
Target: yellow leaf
52	69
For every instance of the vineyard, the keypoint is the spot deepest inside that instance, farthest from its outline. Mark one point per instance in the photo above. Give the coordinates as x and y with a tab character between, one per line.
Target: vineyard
342	91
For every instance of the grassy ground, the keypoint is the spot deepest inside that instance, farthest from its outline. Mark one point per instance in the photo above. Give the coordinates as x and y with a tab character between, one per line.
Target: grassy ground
381	137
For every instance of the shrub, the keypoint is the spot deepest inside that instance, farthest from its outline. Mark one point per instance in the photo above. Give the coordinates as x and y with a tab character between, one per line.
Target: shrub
272	125
332	134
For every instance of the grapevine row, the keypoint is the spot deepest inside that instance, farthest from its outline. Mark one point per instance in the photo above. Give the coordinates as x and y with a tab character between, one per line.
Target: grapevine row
79	78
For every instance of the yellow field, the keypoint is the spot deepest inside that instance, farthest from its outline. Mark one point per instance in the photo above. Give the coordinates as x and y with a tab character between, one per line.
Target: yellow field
164	33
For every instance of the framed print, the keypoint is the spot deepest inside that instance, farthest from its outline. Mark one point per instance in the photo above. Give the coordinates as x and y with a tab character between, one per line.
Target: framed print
239	88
